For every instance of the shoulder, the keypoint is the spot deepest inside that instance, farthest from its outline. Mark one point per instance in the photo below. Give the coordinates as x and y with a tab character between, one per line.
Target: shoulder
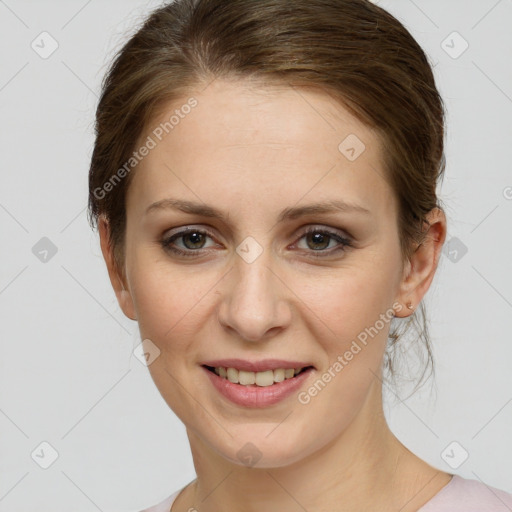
468	495
164	506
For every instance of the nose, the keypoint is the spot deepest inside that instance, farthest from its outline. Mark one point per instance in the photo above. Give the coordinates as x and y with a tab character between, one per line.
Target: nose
254	300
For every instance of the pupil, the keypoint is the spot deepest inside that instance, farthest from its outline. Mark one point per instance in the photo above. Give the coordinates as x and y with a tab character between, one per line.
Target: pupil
196	239
319	238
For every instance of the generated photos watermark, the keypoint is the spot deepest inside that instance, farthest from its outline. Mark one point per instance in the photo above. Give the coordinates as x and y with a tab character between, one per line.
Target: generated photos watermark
151	142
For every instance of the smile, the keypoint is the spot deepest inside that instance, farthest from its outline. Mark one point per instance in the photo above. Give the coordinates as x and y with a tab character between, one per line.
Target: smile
263	378
256	385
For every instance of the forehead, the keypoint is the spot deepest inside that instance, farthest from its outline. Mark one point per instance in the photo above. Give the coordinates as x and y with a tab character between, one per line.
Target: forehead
242	110
275	143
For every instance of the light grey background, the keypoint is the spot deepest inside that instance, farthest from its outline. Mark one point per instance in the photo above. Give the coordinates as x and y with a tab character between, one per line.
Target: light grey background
67	373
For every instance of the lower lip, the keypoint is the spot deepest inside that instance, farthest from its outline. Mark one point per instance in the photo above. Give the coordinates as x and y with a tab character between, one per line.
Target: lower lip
257	396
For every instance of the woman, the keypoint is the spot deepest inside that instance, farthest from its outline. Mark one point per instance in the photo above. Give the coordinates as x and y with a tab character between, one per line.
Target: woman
264	183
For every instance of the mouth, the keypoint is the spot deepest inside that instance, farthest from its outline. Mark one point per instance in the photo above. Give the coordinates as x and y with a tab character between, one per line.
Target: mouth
265	378
257	384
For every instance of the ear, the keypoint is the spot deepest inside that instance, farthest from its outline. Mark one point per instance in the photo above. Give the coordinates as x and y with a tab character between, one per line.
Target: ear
123	295
420	269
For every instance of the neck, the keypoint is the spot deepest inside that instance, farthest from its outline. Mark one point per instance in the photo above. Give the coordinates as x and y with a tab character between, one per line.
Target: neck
364	468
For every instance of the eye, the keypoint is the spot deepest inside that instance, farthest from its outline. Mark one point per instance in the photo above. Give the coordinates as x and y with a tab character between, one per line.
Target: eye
317	240
320	242
192	241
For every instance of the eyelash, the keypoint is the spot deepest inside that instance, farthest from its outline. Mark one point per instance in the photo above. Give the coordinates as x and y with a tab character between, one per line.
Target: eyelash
191	253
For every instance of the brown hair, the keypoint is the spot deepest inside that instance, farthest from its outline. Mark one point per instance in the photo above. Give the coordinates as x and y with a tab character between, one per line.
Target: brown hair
351	49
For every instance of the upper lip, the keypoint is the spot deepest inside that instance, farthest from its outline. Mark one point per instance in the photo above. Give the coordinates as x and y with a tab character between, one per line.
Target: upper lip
255	366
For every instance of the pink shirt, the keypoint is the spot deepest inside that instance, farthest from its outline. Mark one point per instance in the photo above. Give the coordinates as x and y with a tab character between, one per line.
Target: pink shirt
458	495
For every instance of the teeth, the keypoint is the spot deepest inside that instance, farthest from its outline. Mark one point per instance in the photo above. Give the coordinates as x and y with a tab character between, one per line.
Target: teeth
289	373
246	378
232	375
266	378
279	375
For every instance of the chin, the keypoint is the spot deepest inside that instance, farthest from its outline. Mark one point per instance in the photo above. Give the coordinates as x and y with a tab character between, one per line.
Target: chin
256	448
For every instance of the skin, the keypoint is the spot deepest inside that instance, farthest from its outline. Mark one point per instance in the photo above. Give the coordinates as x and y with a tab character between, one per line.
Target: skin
252	152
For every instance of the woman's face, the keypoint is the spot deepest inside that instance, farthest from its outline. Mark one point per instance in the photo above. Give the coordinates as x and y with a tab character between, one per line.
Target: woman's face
248	282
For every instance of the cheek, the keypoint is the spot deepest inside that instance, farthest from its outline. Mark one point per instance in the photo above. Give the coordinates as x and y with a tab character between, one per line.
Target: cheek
171	307
351	299
357	311
168	302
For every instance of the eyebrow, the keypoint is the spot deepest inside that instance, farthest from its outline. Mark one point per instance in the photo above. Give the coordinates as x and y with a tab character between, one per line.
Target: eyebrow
204	210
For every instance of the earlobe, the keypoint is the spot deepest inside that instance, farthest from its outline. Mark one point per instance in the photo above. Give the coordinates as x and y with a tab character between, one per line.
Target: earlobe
423	263
125	301
123	296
